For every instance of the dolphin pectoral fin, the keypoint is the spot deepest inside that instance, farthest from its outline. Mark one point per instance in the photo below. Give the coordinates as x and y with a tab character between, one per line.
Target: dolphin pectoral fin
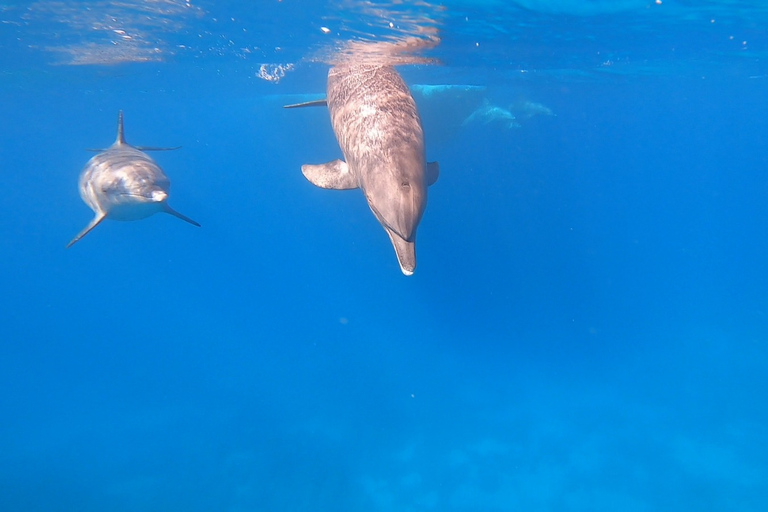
406	252
95	222
335	175
316	103
140	148
153	148
168	209
433	172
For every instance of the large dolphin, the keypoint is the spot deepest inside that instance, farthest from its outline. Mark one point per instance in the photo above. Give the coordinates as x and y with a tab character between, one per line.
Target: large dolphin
124	183
379	130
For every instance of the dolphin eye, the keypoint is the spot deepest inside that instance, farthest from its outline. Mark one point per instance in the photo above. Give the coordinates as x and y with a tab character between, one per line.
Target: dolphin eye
405	184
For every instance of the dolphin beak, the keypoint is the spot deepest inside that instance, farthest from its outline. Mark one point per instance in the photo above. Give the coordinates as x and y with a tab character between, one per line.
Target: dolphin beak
158	196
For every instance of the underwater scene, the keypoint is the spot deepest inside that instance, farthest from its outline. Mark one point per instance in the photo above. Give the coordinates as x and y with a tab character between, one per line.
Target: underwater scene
212	302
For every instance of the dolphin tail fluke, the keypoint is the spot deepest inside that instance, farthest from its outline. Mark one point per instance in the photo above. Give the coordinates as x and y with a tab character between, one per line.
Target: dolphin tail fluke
168	209
95	222
334	175
406	252
433	172
316	103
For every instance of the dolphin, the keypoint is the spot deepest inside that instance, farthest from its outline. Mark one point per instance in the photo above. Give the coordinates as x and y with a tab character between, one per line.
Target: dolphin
122	182
378	127
488	113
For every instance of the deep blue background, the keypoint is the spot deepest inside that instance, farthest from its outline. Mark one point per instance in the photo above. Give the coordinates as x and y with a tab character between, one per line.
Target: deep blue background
586	328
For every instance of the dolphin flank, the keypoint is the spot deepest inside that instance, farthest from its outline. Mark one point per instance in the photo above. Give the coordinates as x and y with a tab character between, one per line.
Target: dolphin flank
122	182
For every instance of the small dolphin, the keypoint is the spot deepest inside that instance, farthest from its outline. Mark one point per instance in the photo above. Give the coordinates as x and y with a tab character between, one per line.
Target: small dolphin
124	183
508	117
488	114
379	130
526	109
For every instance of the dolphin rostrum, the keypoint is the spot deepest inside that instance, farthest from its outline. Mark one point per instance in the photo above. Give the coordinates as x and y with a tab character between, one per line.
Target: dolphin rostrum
379	130
122	182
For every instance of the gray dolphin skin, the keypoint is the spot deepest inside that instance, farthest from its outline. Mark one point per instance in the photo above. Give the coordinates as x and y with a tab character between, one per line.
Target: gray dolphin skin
379	131
124	183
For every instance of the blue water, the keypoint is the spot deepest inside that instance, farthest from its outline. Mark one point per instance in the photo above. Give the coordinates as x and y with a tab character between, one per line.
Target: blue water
586	329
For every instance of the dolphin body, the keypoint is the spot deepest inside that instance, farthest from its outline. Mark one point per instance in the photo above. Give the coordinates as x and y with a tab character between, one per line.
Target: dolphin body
124	183
379	131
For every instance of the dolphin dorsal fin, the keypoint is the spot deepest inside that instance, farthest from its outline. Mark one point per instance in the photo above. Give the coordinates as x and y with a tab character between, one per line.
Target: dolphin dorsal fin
120	137
120	141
